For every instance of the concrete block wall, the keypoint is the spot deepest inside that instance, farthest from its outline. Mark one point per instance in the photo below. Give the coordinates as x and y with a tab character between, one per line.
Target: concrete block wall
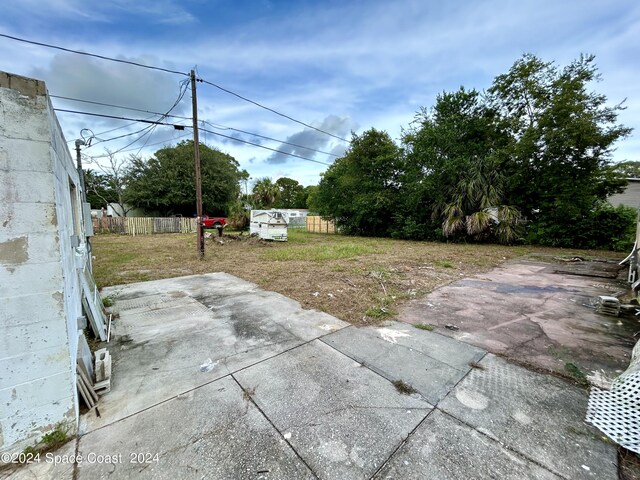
39	288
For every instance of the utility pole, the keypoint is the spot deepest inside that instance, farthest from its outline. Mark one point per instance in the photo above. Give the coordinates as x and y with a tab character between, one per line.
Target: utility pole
196	157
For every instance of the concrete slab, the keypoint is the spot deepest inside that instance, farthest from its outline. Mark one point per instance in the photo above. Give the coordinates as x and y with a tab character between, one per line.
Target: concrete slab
341	418
538	416
526	311
212	432
166	342
49	466
443	447
431	363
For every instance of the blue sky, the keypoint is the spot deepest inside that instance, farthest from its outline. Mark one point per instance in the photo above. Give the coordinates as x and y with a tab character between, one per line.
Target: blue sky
340	66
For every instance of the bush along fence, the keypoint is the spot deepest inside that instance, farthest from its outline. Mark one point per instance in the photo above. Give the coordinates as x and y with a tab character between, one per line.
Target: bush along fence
316	224
144	225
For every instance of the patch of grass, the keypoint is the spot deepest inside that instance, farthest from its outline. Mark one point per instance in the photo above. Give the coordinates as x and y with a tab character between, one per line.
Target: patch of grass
320	253
248	394
108	302
443	263
328	264
379	313
404	387
477	365
576	373
424	326
52	440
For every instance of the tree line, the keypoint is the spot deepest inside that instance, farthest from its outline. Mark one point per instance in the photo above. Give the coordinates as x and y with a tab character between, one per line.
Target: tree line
528	160
164	184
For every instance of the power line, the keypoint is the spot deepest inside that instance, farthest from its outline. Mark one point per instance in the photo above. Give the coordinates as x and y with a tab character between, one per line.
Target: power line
266	148
116	117
222	127
152	67
118	106
163	142
95	55
272	110
182	127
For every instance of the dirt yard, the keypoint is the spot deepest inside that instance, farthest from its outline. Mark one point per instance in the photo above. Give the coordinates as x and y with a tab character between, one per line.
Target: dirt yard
360	280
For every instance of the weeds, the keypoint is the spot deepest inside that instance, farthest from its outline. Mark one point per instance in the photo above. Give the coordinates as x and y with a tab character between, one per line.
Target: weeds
443	263
51	441
379	312
424	326
404	388
576	373
108	302
321	253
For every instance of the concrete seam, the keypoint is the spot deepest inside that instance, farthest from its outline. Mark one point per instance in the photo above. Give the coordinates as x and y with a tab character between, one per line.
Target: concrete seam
458	368
503	445
371	368
75	460
289	349
250	397
230	374
405	440
154	405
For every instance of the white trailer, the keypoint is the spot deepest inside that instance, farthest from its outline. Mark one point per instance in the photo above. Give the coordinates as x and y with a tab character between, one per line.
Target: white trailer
268	225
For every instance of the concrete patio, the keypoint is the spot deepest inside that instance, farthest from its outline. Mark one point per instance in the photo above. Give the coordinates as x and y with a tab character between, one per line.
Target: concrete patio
222	380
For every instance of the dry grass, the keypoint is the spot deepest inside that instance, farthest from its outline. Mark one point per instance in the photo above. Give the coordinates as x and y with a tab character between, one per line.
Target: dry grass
360	280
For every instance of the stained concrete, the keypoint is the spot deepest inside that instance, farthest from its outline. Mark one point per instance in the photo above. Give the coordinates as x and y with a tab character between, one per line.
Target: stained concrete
47	468
220	380
175	335
530	313
443	447
431	363
212	432
538	416
343	419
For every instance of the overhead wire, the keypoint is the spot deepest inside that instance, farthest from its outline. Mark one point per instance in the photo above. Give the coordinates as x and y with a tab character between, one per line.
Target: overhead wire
118	106
222	127
166	70
271	109
262	146
181	127
95	55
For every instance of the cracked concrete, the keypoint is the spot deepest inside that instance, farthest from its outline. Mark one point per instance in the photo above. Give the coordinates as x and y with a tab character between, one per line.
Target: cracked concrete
538	313
215	378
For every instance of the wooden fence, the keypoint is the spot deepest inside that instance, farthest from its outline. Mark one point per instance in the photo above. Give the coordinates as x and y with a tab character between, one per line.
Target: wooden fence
144	225
316	224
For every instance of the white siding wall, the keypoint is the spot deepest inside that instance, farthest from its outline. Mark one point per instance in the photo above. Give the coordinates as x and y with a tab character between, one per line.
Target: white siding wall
39	299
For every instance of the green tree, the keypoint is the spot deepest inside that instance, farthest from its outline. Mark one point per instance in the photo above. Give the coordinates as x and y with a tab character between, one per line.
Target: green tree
561	141
304	197
452	180
265	193
627	169
361	189
100	191
289	193
166	182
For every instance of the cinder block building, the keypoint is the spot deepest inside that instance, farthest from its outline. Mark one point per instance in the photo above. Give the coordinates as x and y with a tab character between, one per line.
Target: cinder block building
44	266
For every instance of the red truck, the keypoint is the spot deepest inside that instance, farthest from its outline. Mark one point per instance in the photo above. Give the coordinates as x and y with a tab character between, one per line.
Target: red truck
213	222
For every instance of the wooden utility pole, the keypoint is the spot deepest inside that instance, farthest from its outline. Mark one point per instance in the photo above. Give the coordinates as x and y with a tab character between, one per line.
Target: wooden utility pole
196	157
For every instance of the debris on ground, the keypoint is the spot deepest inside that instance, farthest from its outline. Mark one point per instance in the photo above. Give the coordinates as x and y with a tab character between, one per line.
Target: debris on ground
608	305
451	326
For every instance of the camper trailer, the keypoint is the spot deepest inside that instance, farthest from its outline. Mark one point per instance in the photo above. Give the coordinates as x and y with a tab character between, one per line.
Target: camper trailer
268	225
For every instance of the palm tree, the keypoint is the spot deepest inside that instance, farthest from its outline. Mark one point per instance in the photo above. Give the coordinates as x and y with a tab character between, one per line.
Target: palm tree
475	206
265	192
